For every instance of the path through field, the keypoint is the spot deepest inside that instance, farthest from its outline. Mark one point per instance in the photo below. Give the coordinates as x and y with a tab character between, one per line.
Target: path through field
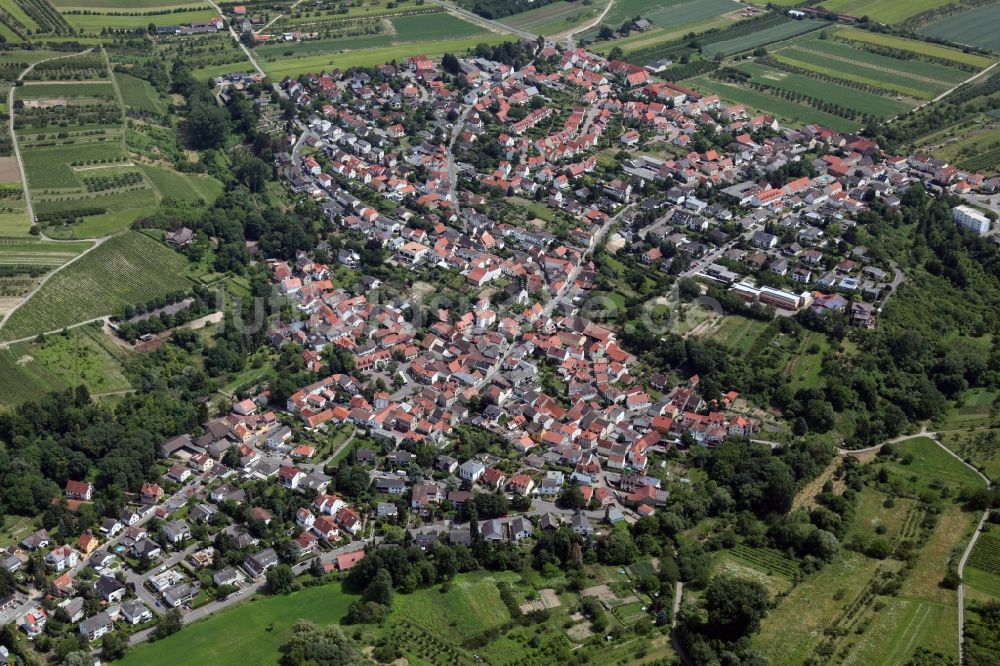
582	28
97	243
933	436
13	138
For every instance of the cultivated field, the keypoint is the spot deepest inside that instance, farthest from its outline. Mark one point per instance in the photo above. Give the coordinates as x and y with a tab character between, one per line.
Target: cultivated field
555	17
973	27
916	47
125	270
762	37
138	93
690	12
882	11
94	23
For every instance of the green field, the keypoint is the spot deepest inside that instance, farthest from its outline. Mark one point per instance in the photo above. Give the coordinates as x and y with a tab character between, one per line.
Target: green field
768	35
555	17
126	5
429	27
811	607
49	167
932	465
737	333
30	252
914	46
182	186
691	12
841	60
15	224
86	356
98	226
858	100
376	56
974	27
882	11
976	410
250	633
782	108
94	89
138	93
125	270
94	23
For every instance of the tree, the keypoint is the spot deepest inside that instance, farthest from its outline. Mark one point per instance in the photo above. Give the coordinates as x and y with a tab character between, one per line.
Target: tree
78	658
114	646
312	645
735	607
169	623
207	125
572	498
379	590
280	579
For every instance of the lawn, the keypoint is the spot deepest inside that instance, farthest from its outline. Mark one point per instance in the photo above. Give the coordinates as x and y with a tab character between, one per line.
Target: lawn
782	108
872	514
97	226
738	333
138	93
14	224
915	46
980	579
470	605
250	633
975	27
125	270
806	364
182	186
882	11
430	27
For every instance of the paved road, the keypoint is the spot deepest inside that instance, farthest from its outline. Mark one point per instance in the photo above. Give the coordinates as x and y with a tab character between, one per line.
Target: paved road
232	31
13	135
245	594
583	28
